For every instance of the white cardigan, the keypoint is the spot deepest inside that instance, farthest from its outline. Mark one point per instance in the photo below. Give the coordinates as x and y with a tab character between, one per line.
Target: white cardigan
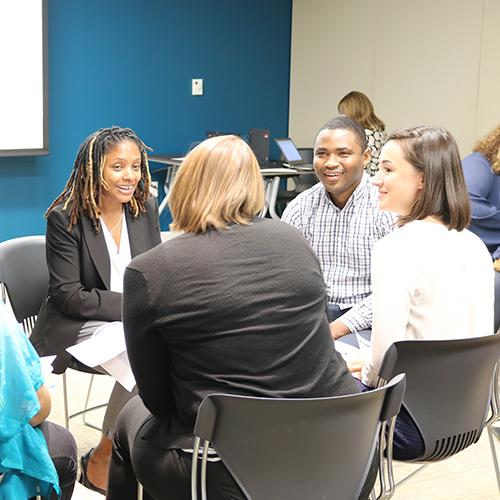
428	283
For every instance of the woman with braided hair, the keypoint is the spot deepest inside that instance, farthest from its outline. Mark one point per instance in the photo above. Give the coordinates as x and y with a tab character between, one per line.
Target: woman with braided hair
103	218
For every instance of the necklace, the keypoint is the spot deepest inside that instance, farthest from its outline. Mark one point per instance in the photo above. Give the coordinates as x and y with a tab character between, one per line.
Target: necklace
116	225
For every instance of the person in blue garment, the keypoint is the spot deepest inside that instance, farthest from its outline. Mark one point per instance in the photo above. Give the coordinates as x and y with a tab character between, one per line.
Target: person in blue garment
482	176
36	457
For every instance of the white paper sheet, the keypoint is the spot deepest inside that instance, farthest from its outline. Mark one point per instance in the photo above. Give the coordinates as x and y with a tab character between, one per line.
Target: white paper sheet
364	345
107	348
46	365
107	342
347	351
119	369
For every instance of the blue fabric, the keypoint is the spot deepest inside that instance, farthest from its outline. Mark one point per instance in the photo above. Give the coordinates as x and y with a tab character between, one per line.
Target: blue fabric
484	192
333	312
24	459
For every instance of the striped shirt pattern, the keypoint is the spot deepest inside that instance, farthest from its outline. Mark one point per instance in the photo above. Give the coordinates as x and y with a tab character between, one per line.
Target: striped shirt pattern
343	240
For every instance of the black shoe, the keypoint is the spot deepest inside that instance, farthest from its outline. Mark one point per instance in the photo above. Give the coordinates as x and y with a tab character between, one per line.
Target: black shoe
83	479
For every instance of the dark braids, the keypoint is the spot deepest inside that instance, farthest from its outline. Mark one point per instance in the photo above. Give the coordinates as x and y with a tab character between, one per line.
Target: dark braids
83	191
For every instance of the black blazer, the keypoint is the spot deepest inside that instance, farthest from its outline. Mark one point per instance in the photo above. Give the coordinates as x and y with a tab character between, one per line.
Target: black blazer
79	278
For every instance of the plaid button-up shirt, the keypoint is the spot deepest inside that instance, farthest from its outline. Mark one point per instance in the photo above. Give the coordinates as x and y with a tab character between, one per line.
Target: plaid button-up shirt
343	239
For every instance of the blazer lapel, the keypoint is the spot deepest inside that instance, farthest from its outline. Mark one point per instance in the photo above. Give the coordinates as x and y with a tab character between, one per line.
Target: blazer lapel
98	251
137	232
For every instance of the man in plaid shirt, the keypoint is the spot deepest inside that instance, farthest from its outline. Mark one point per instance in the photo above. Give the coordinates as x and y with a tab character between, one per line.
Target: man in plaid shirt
340	219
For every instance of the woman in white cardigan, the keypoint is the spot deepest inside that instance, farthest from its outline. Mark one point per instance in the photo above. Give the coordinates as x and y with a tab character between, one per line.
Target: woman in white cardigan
432	278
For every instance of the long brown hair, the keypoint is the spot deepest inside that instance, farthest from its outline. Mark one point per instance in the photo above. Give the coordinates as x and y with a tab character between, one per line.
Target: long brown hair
358	107
434	152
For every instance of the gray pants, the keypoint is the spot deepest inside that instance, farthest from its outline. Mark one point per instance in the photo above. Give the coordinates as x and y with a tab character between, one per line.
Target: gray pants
62	451
119	395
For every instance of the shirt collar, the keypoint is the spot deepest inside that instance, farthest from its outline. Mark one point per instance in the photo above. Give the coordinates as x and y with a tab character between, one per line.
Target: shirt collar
359	192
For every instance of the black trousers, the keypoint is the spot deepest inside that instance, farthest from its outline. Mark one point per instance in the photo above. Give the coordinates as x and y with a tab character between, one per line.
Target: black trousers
408	442
62	451
164	474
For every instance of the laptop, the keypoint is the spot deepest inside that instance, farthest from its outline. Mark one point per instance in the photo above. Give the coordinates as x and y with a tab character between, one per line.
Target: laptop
291	155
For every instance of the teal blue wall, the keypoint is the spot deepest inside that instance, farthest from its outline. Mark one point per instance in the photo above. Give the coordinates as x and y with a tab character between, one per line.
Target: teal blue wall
130	63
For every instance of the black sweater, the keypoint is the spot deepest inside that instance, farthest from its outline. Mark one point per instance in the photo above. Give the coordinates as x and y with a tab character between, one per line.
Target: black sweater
239	311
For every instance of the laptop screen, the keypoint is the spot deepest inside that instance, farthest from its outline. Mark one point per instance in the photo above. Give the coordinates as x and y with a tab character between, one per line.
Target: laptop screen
288	149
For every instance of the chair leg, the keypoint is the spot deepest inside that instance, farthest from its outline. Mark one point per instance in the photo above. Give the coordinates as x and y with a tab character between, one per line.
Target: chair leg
411	474
194	469
494	454
65	399
68	416
86	408
386	477
203	478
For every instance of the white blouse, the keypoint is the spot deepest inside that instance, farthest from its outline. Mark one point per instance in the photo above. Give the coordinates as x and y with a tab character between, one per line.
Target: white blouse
428	283
119	257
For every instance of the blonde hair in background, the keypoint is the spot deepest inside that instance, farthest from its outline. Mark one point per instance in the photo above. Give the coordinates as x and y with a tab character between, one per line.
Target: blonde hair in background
218	183
489	147
356	106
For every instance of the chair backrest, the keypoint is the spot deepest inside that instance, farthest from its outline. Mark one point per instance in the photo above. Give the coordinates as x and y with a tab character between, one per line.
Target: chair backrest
305	181
23	272
307	154
298	448
448	388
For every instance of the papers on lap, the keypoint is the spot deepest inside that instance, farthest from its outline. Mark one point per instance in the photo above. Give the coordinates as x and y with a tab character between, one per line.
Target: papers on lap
107	348
347	351
352	353
46	365
364	345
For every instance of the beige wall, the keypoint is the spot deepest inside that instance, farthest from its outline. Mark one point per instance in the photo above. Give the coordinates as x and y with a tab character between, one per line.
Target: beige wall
427	62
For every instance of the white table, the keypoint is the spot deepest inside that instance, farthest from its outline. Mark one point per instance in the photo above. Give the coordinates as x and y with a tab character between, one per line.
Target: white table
272	178
171	165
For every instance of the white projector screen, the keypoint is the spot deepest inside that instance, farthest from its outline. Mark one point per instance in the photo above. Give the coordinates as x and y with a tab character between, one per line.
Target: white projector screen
23	81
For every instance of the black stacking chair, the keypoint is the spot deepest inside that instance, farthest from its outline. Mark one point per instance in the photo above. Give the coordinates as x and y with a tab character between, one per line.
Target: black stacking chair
448	394
24	279
295	448
494	430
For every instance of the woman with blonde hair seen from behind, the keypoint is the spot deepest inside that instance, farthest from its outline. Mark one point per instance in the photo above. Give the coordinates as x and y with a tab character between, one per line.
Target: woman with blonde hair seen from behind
356	106
432	278
235	305
482	176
